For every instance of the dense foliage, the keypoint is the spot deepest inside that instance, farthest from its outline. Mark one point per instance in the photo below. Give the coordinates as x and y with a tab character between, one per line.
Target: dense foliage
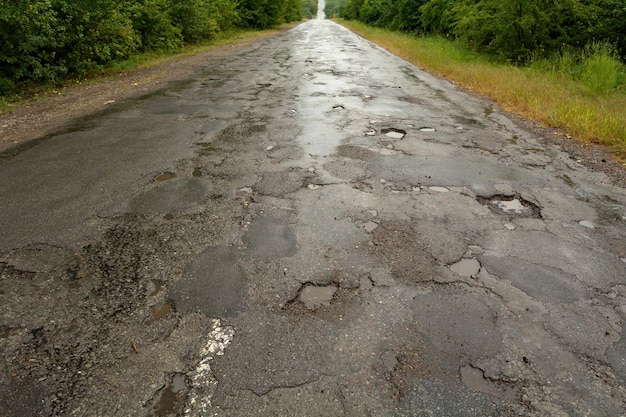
516	30
50	40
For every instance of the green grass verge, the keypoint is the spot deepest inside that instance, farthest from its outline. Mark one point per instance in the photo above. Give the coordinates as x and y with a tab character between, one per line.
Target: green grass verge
585	98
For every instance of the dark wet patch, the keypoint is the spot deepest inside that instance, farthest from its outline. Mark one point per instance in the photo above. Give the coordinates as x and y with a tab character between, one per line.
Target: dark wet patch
270	237
172	197
413	100
393	133
168	105
169	400
466	120
158	312
212	284
511	206
197	172
567	180
5	332
205	148
355	152
164	176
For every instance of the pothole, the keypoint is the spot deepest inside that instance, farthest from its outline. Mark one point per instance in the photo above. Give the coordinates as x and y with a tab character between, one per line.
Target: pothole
512	206
314	297
393	133
165	176
427	129
158	312
169	399
466	267
474	379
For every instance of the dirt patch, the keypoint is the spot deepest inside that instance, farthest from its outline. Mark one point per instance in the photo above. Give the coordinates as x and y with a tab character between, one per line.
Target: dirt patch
410	263
355	152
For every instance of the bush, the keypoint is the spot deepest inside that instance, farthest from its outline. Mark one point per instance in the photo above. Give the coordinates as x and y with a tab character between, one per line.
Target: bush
601	68
200	20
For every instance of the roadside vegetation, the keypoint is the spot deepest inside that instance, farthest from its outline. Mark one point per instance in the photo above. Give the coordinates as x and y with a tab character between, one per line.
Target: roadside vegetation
560	63
49	41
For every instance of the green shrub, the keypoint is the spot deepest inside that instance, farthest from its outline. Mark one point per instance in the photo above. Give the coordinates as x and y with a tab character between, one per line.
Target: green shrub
601	68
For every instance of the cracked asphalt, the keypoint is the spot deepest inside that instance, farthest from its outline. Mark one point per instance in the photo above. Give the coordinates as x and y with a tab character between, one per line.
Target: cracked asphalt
313	227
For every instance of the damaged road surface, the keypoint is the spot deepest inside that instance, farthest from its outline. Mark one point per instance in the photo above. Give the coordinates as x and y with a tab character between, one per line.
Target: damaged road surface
312	227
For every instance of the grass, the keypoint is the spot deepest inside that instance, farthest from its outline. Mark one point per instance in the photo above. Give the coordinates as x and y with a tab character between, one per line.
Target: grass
584	93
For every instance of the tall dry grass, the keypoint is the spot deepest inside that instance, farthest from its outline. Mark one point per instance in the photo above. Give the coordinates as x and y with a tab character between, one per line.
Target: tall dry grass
582	94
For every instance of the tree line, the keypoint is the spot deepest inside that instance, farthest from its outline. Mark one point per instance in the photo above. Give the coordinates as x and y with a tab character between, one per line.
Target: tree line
51	40
515	30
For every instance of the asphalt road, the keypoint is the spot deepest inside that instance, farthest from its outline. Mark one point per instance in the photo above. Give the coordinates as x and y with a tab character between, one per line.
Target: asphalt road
313	227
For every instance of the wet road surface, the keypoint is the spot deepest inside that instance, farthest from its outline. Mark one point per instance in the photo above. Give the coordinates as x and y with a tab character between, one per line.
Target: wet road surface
313	227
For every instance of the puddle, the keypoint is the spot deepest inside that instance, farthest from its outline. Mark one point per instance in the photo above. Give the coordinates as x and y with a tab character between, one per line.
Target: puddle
169	397
165	176
475	380
512	206
427	129
392	132
314	297
157	284
158	312
466	267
